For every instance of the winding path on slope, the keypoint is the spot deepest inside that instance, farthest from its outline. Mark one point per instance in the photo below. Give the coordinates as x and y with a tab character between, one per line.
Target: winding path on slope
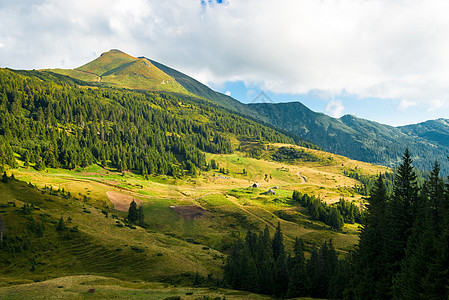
303	179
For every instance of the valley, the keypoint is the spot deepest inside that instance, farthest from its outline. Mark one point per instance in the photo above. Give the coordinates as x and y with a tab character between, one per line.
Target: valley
103	244
125	178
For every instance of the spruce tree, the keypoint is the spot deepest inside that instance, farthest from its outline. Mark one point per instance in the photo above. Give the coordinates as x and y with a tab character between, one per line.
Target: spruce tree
369	264
60	225
281	279
298	280
249	281
265	263
402	210
278	242
140	216
133	212
313	272
421	272
335	219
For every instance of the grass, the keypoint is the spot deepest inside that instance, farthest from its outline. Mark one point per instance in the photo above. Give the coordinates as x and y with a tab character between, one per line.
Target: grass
77	287
171	249
93	249
115	68
230	203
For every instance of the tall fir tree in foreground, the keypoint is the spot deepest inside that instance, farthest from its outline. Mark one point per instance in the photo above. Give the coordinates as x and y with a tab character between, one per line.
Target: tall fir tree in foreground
401	213
423	271
403	251
369	267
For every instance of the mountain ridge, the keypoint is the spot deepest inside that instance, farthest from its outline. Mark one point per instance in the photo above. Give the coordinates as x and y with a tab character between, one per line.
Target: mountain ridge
118	69
359	138
349	135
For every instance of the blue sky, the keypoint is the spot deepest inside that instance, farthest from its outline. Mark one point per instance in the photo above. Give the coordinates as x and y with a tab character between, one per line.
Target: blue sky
386	111
381	60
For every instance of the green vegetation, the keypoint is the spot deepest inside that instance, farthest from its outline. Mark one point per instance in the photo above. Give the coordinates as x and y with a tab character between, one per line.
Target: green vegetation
260	264
57	124
117	69
402	253
334	215
118	190
136	215
361	139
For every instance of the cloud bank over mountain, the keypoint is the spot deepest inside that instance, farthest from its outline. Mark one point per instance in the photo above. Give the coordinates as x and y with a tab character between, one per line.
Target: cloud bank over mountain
367	49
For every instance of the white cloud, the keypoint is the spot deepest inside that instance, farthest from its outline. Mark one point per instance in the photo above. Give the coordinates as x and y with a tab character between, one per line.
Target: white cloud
405	104
378	49
335	108
228	93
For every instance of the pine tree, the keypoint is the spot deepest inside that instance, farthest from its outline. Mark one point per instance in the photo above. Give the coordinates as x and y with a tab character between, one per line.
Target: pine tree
140	216
249	271
298	280
278	242
369	265
313	272
232	268
335	219
133	212
60	225
402	209
266	263
421	269
281	279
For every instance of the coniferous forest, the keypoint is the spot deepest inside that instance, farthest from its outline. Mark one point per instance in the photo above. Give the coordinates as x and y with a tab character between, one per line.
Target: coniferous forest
51	122
402	253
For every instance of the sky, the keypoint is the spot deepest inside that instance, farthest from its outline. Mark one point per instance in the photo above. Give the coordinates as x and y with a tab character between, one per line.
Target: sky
382	60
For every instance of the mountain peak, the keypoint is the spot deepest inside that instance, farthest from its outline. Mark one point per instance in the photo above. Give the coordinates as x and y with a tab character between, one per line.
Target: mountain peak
106	62
119	69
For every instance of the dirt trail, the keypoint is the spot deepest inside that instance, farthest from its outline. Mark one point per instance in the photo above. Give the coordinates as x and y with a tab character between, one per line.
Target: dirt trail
303	179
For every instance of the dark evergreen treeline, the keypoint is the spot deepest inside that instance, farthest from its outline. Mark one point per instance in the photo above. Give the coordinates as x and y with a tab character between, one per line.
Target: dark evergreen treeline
333	215
369	181
403	252
404	245
260	264
55	123
291	154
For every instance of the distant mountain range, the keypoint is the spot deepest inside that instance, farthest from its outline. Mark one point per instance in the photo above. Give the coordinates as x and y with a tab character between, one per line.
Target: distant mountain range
353	137
362	139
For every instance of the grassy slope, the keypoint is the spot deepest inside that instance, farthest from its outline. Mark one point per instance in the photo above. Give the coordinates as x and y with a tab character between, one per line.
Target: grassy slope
77	287
230	203
199	89
122	70
100	247
232	207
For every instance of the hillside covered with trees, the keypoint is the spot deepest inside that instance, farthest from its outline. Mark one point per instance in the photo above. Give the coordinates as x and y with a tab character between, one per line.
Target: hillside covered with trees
50	120
402	253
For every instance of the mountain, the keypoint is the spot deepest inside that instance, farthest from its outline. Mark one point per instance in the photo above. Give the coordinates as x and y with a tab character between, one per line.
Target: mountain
116	68
81	152
197	88
362	139
436	131
354	137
